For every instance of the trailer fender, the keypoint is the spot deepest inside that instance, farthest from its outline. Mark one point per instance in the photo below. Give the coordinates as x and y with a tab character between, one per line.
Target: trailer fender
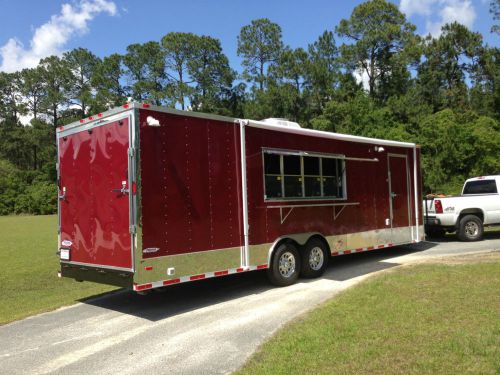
300	239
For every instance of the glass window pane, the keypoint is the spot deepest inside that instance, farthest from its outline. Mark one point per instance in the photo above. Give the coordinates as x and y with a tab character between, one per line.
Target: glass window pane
311	166
312	186
293	186
329	166
480	187
291	164
271	164
329	187
273	187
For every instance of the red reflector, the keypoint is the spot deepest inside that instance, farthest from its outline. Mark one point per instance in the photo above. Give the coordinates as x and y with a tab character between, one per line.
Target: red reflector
239	269
438	206
145	105
148	268
390	244
173	281
347	252
91	118
125	106
82	121
143	286
335	253
381	246
197	277
359	250
99	115
262	266
134	188
221	273
61	128
370	248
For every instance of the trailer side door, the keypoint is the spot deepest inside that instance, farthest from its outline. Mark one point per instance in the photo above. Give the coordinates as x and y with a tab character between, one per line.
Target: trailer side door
399	198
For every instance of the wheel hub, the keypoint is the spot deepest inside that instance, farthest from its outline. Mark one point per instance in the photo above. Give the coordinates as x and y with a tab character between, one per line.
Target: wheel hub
316	258
471	229
287	264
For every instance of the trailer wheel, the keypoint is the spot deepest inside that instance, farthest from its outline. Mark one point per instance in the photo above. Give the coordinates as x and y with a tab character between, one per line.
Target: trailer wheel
314	258
285	265
470	228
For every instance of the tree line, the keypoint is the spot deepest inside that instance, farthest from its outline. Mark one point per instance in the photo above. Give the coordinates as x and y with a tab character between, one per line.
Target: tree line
384	81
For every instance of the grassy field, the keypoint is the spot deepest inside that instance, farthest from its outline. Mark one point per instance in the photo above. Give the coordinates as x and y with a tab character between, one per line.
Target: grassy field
431	319
29	266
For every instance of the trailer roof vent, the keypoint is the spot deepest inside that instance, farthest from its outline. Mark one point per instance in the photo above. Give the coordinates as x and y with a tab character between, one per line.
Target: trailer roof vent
281	122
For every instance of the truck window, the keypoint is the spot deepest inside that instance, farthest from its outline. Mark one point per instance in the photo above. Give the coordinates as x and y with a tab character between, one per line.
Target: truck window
480	187
297	176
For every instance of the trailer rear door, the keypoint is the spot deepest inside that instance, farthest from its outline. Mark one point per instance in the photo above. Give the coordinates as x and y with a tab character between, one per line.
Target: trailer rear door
94	199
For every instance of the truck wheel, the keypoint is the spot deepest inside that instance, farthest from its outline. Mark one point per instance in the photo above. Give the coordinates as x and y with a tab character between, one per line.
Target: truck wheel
470	228
314	258
285	265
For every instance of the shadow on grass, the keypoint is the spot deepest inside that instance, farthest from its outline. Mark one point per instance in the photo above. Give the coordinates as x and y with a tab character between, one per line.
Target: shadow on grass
178	299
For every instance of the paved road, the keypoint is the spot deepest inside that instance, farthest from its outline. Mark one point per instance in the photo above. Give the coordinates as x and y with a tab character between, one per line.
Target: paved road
207	327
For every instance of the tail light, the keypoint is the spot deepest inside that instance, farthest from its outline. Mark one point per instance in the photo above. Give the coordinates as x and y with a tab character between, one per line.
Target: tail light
438	206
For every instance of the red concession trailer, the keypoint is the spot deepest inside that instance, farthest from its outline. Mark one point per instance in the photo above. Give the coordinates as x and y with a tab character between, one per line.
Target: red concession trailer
150	196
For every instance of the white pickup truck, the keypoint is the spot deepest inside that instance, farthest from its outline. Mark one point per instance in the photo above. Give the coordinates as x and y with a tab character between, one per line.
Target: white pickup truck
478	206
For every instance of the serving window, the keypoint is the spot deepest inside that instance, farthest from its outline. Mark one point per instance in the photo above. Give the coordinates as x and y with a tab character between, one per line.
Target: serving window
300	175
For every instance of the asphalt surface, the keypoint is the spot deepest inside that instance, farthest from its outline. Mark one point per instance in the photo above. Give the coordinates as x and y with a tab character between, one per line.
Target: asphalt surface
204	327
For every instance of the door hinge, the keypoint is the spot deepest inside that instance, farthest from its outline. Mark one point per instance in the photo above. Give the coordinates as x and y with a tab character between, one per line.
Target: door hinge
131	151
132	229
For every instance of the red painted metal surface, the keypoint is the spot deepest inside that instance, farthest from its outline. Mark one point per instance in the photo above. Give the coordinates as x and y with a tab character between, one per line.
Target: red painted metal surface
190	184
93	218
367	183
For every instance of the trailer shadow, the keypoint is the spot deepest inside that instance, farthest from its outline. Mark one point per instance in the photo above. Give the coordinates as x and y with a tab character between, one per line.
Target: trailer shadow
182	298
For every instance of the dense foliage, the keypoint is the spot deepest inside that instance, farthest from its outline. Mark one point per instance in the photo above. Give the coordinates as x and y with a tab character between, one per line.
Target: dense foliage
383	81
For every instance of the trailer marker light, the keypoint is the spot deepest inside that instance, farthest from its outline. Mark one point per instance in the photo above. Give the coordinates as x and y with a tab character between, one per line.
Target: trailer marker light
145	105
148	268
221	273
240	269
125	106
91	118
99	115
381	246
262	266
82	121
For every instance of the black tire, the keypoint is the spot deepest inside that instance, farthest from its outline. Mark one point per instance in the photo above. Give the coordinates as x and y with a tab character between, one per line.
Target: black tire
435	232
315	258
289	271
470	228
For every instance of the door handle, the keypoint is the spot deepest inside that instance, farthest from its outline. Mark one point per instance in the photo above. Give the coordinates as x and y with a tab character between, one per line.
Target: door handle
123	189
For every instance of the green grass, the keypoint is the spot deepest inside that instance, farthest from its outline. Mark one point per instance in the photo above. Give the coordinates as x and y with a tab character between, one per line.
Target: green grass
425	319
29	265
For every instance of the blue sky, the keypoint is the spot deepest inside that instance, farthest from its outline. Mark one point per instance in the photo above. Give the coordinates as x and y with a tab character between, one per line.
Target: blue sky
30	29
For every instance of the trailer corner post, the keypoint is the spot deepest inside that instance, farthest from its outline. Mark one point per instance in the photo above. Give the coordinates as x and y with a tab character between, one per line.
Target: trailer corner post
244	201
415	188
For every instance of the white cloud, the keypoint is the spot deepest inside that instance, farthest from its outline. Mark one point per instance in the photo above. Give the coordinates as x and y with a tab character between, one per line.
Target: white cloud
51	37
439	12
